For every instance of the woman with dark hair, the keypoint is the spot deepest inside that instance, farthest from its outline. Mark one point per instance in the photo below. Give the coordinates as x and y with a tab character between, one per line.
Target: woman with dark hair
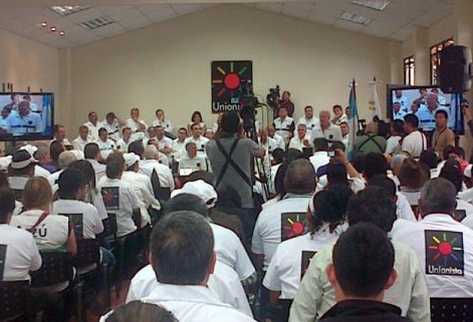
196	118
55	149
430	159
93	196
326	221
412	177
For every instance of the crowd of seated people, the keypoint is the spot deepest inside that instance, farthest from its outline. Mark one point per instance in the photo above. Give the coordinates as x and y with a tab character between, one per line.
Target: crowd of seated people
379	228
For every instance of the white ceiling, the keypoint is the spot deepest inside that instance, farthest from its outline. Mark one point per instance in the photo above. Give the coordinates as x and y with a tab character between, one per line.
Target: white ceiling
24	17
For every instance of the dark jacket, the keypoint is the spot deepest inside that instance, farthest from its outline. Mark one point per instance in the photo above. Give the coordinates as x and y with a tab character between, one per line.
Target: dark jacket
363	311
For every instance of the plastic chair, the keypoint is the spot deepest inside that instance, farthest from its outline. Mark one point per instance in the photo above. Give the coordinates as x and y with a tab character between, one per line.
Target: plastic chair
15	300
451	309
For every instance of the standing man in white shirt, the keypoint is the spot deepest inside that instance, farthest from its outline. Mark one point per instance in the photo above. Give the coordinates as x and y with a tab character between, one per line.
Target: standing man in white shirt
81	141
311	122
183	268
179	144
327	130
301	140
284	125
112	124
443	245
415	141
138	127
162	121
199	140
345	129
320	157
93	125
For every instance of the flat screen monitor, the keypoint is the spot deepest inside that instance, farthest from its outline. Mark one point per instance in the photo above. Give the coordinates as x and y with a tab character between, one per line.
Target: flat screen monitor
26	116
424	102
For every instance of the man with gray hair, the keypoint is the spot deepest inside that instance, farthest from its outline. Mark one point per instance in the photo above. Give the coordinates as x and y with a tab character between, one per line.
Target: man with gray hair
444	246
151	166
65	158
326	129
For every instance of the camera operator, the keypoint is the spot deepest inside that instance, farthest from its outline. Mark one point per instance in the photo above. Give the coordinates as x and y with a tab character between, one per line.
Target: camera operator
230	157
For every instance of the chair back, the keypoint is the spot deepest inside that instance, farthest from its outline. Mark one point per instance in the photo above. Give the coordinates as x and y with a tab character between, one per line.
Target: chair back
56	268
109	226
14	300
88	253
451	309
77	221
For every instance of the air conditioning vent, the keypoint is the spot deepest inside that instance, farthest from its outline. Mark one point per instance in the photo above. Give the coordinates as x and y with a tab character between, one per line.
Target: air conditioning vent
96	23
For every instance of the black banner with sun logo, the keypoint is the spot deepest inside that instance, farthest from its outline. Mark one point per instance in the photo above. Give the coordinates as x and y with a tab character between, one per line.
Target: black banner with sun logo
444	253
231	81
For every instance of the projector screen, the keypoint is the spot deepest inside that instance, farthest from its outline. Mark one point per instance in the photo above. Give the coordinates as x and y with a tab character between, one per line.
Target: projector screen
26	116
424	102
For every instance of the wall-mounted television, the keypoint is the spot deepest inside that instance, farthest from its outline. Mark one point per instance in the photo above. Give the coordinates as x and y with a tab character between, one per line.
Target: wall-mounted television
26	116
424	101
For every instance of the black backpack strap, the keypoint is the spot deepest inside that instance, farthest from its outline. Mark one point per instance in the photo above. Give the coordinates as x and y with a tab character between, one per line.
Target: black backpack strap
371	139
229	162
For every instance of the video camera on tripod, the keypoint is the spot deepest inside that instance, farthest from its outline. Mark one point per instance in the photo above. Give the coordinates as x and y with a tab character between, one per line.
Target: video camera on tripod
272	99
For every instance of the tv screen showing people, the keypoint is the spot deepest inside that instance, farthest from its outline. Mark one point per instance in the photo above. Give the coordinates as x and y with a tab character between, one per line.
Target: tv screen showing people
424	102
26	116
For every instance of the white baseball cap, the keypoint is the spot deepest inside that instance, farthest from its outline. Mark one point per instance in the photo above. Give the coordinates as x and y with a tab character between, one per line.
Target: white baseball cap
467	171
200	189
131	159
30	148
5	162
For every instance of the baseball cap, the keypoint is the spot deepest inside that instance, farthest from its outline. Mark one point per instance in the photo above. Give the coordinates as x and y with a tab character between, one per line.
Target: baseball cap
21	159
131	159
200	189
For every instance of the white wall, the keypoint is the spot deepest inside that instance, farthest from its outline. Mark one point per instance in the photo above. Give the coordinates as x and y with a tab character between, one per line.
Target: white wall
167	65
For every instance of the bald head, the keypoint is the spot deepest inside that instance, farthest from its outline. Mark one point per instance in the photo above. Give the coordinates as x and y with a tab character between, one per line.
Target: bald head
151	153
300	177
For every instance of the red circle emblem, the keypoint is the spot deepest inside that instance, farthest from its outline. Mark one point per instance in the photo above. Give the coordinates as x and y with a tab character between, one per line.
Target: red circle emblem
445	249
232	81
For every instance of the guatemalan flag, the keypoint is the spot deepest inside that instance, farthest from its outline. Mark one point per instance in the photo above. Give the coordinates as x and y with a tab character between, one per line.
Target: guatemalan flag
353	117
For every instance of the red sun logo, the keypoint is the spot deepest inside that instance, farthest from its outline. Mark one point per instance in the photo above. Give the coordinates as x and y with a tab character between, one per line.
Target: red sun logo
232	81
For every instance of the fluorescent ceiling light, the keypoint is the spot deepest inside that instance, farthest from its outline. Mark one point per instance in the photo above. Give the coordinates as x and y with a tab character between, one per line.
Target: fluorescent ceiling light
355	18
379	5
68	10
96	23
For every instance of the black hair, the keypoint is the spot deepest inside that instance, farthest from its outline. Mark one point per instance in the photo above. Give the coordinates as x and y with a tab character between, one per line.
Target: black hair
182	247
442	112
337	173
186	202
293	154
398	126
229	123
138	311
196	113
70	181
91	150
374	164
278	155
338	145
55	149
363	260
413	174
7	203
452	172
373	205
384	182
412	120
87	170
330	206
383	129
102	129
429	158
320	144
137	148
115	165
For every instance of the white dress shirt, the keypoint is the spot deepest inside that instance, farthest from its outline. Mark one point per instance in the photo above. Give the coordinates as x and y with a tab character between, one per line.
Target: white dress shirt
122	146
188	165
41	172
99	169
298	144
106	147
403	208
279	142
332	133
113	189
392	144
113	130
79	144
91	222
445	251
166	124
93	130
21	255
192	303
285	273
166	180
267	233
309	123
319	159
468	212
200	142
179	149
135	128
414	144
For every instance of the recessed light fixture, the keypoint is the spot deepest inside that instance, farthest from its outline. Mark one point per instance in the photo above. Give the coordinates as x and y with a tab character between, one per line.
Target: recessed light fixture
378	5
44	24
62	33
355	18
53	28
68	10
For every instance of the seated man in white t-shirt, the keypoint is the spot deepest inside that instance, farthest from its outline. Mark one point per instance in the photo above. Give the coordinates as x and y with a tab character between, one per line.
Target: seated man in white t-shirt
191	162
105	144
199	140
118	196
183	258
80	142
310	121
138	127
301	140
270	229
179	144
326	216
277	138
152	162
84	216
284	125
19	254
164	143
326	129
125	140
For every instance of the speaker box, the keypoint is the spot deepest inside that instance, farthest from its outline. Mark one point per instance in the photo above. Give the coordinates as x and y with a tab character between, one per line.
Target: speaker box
455	69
